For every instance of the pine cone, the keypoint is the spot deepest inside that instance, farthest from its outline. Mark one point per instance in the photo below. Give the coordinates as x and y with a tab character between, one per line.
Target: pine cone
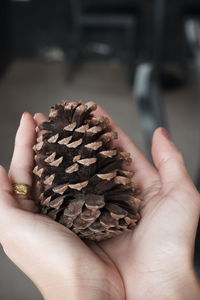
81	177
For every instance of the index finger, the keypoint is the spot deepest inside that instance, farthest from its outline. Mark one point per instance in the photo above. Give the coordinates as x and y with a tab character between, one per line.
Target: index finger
22	160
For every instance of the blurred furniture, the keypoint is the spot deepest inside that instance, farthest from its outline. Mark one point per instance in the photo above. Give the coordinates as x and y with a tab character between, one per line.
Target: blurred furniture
89	15
167	44
147	87
192	30
147	84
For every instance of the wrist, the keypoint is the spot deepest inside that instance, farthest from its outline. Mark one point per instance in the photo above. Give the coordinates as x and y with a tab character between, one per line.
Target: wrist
77	292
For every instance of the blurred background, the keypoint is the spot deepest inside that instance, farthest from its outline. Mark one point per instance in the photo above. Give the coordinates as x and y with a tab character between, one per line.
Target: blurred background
138	59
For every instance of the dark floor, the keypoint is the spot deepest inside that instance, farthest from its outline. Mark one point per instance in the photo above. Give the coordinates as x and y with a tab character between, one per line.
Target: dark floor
34	86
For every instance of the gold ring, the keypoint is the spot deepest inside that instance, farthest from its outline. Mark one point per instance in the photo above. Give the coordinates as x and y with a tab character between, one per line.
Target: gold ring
21	189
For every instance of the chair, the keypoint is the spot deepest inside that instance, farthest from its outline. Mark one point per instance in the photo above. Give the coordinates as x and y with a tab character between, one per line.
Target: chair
90	15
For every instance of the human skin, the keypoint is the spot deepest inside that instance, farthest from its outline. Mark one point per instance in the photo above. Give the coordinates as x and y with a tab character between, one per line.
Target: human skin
155	261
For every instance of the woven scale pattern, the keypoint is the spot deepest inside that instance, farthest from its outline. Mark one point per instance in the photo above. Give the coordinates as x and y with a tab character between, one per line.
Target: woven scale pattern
81	177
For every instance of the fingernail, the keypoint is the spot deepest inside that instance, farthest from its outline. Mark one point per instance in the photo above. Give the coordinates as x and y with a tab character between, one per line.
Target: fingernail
22	117
165	133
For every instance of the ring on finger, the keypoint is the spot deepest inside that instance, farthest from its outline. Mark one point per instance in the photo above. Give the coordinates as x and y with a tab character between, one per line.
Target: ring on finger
21	189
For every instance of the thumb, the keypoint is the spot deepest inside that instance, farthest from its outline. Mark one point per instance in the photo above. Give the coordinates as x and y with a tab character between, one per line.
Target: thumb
169	161
182	195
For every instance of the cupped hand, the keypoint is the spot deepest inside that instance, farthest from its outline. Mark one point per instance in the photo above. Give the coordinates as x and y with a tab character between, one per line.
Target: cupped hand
156	259
55	259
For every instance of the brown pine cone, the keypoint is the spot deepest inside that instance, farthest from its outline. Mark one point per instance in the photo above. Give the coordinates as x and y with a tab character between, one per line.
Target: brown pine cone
82	179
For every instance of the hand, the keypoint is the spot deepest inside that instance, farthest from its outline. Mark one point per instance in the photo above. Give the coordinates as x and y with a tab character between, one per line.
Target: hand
156	260
54	258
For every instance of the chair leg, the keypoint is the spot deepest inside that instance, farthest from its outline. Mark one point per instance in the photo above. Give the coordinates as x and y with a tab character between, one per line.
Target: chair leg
130	42
75	55
147	92
192	35
192	27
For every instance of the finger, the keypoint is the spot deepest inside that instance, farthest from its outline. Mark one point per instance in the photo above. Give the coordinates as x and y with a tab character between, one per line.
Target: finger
145	173
169	160
22	160
180	194
28	205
